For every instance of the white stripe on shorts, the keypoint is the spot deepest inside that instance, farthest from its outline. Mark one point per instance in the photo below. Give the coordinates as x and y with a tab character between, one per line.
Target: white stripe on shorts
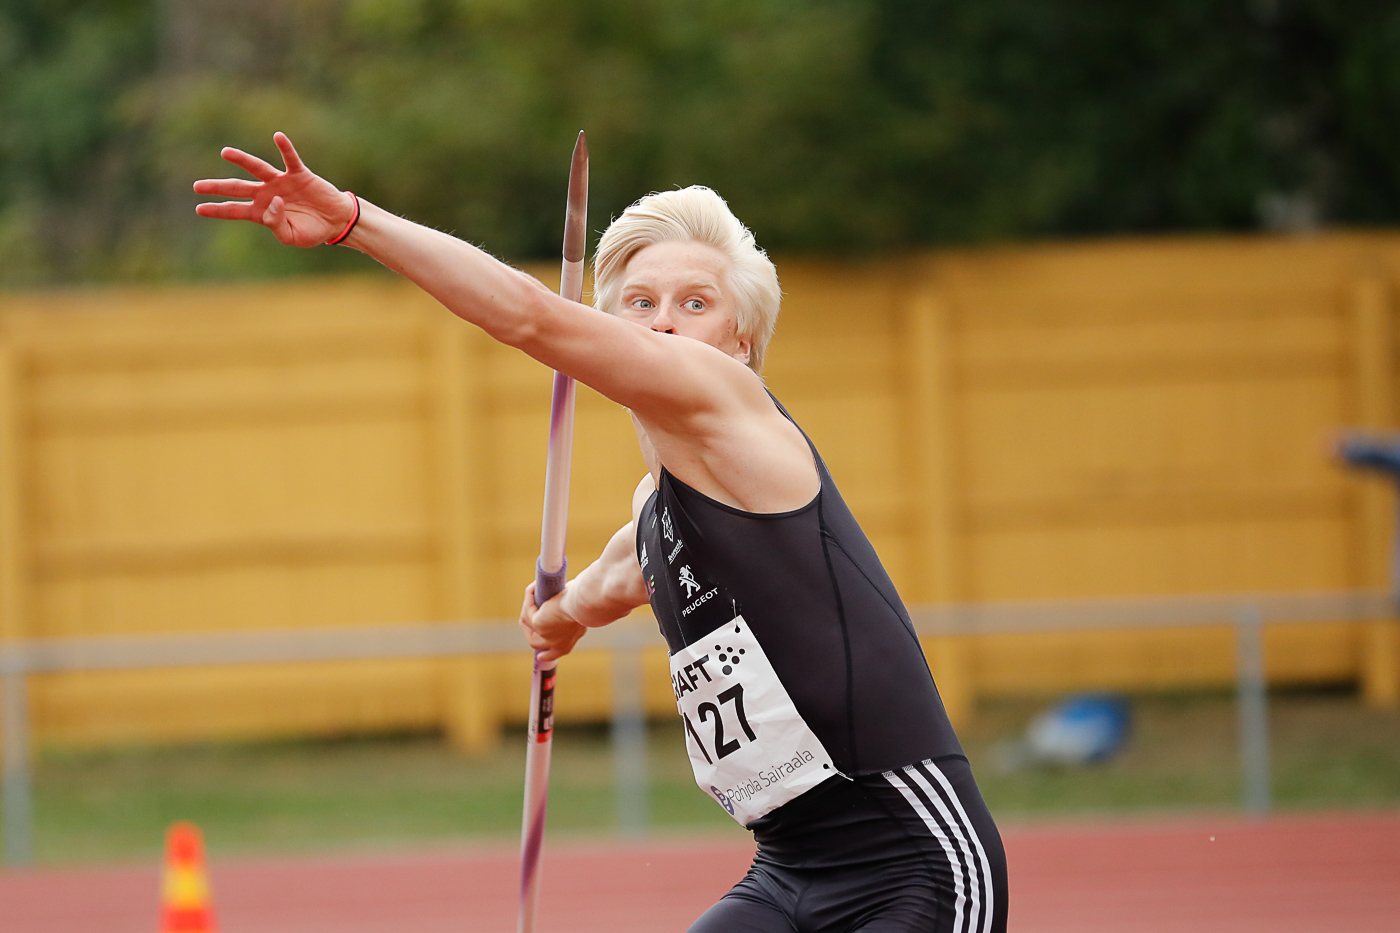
985	868
897	781
964	838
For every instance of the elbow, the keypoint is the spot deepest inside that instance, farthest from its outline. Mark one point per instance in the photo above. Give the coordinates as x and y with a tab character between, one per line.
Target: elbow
632	589
525	329
619	592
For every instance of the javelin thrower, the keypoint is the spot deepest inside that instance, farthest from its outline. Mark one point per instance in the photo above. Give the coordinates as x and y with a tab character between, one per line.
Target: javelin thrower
808	709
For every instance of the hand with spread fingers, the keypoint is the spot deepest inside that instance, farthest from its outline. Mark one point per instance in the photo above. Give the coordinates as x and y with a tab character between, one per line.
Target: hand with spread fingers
298	206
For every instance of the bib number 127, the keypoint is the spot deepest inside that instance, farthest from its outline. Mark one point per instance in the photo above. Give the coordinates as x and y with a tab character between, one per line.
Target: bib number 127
709	715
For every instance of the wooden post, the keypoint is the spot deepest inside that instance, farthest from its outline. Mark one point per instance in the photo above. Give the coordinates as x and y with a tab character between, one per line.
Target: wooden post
14	569
1374	361
932	483
471	715
14	602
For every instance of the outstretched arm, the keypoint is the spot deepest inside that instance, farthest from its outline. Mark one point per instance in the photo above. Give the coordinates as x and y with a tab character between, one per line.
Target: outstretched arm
654	374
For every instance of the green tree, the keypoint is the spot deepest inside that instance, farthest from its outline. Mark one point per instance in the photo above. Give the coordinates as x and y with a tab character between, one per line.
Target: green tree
830	125
71	174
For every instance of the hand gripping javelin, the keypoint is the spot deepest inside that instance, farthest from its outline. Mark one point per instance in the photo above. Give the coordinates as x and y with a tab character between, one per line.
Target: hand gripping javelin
550	570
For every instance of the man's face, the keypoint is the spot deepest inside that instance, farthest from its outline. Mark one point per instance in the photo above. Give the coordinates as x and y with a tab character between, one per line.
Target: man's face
683	288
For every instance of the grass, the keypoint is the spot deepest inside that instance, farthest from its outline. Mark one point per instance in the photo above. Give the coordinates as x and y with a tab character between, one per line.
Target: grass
1327	750
339	794
407	790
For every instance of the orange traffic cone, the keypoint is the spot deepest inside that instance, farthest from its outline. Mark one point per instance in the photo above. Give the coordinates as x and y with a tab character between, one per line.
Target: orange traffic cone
184	902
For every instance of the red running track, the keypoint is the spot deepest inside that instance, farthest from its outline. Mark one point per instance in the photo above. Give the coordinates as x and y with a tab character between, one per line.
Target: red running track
1283	875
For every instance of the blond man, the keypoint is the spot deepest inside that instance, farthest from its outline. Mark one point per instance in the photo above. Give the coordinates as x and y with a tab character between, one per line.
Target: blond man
809	711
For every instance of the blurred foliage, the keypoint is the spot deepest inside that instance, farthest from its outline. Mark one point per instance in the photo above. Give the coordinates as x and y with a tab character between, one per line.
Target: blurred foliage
829	124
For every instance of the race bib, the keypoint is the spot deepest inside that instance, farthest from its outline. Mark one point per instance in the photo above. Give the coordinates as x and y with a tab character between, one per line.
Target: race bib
748	746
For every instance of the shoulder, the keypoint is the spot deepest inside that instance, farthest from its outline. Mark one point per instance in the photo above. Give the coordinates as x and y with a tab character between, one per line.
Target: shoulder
640	495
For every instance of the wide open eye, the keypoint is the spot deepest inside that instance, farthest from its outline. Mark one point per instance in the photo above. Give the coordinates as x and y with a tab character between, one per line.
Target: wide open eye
695	304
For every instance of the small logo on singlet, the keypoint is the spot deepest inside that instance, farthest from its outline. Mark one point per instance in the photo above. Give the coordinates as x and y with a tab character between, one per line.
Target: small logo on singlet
687	580
723	798
666	527
644	557
729	658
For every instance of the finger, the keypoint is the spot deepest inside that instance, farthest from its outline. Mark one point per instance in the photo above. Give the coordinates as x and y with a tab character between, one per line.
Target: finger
527	627
227	187
228	210
289	152
556	651
250	163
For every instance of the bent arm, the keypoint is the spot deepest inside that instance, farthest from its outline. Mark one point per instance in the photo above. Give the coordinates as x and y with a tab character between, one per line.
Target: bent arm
610	587
604	592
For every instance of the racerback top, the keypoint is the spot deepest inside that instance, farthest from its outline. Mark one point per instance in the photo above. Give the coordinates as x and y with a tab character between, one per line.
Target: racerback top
811	589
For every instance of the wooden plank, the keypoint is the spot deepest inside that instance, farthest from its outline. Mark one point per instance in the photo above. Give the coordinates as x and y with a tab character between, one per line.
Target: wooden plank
1373	322
471	711
455	437
1121	560
14	539
271	481
1107	441
930	484
236	597
1166	507
136	554
1373	337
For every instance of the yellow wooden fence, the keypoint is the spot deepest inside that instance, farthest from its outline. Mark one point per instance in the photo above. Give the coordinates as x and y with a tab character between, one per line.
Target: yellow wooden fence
1113	418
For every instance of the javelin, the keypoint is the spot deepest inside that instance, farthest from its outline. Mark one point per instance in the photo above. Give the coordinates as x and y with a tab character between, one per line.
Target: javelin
549	571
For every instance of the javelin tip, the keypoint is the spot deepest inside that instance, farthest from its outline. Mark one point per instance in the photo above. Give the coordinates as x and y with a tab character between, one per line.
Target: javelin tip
576	220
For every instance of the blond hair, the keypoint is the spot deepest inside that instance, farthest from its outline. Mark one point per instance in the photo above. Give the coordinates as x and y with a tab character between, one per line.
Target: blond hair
694	214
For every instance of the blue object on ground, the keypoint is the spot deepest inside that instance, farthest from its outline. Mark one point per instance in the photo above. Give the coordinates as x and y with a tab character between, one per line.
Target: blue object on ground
1379	452
1079	729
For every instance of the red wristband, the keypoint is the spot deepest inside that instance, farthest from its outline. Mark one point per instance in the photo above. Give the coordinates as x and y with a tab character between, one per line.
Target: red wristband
354	219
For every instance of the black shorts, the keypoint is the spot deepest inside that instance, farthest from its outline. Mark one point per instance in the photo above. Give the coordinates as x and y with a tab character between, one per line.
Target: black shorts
909	850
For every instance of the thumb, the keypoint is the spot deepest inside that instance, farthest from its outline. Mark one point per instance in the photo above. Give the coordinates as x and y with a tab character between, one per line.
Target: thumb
275	219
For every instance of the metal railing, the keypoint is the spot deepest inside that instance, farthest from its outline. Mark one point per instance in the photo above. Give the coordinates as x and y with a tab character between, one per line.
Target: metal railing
1248	613
19	659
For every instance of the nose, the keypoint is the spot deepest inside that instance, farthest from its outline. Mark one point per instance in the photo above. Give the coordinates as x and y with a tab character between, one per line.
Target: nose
662	322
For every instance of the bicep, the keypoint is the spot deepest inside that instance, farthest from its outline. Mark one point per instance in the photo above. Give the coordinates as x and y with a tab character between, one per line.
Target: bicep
622	571
659	376
654	374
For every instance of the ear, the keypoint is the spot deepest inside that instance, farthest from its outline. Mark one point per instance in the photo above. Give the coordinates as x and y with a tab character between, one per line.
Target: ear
743	349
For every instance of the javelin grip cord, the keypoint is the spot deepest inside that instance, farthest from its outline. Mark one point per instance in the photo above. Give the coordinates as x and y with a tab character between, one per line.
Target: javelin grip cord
549	585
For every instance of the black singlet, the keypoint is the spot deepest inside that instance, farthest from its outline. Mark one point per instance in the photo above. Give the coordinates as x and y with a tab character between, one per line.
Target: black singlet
900	840
820	604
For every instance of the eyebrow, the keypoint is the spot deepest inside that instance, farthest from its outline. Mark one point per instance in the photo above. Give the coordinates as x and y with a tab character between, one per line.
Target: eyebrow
689	286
